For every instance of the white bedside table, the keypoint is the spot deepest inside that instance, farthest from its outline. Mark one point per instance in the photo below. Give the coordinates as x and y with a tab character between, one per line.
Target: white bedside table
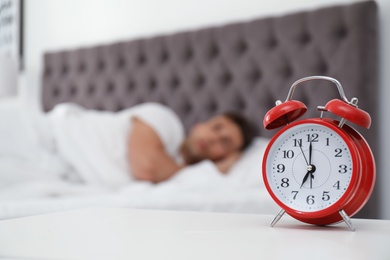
107	233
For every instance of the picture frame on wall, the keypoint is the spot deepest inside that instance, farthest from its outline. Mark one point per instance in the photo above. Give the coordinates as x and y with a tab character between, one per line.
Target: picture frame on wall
11	30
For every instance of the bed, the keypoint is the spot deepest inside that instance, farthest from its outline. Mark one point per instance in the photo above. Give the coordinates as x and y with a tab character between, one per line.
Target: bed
244	66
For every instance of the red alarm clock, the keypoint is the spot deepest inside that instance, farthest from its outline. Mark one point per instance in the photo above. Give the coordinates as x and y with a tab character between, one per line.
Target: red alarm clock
320	171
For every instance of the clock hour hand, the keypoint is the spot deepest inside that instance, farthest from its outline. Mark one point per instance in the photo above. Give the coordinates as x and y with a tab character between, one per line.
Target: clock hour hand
305	178
309	173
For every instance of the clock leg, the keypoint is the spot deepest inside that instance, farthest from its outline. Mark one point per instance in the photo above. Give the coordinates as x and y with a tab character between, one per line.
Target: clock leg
347	219
278	217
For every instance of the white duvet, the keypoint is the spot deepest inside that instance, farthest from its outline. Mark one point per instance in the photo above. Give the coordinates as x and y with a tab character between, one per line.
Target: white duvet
70	159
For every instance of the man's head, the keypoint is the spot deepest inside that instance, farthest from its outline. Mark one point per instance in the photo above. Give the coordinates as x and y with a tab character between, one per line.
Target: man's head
218	137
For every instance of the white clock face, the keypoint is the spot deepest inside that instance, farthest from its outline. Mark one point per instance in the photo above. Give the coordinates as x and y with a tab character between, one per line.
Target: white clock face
309	167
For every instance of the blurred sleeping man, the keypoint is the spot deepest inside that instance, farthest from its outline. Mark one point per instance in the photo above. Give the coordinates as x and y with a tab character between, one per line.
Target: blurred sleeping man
157	147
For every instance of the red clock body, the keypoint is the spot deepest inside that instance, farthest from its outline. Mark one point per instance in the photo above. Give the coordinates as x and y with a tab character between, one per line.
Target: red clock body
314	168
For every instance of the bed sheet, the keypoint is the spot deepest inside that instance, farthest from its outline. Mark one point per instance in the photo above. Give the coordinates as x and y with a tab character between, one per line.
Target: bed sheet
34	179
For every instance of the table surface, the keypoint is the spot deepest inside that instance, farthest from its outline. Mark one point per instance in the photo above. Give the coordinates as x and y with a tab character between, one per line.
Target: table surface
111	233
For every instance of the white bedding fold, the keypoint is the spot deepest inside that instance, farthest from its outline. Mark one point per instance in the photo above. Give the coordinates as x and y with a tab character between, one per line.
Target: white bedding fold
94	143
198	187
26	147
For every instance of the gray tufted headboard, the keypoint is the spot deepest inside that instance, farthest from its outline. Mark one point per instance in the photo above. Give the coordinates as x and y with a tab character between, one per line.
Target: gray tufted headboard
243	66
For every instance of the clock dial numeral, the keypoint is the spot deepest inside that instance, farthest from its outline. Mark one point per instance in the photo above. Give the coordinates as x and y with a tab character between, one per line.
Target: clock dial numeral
312	137
295	193
297	142
343	168
327	141
310	200
337	185
285	183
280	168
325	196
338	152
288	154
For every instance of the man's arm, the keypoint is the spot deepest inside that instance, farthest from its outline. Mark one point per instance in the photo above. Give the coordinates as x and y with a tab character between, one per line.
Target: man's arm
146	154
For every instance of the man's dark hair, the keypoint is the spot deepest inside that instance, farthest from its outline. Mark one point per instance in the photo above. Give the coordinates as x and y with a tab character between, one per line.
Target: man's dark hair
248	128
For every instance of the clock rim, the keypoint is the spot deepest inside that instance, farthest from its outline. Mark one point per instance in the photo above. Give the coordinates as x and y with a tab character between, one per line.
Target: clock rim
327	214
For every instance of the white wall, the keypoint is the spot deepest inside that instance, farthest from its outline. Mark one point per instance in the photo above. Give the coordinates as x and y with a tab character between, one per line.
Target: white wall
58	24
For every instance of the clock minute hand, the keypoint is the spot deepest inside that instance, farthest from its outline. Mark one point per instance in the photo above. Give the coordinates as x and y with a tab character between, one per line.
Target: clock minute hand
310	152
311	170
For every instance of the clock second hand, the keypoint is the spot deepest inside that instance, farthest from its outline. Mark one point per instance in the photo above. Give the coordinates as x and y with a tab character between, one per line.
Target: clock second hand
311	180
304	156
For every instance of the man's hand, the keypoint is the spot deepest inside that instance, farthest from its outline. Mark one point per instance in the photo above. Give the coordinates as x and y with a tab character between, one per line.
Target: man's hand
226	163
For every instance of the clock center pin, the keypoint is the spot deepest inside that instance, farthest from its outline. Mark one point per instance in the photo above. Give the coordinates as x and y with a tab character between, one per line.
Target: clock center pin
311	168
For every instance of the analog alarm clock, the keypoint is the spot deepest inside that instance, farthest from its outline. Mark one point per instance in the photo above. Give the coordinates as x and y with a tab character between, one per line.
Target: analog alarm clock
320	170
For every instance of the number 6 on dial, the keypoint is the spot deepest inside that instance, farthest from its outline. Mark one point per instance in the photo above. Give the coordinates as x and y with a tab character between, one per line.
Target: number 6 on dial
320	171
